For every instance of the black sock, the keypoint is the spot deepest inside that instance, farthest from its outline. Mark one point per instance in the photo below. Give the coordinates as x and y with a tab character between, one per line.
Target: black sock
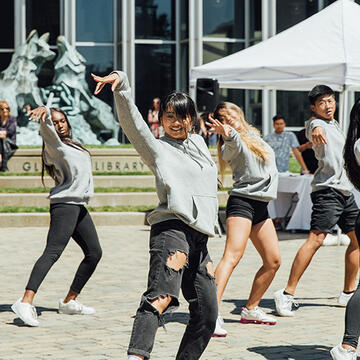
286	293
348	292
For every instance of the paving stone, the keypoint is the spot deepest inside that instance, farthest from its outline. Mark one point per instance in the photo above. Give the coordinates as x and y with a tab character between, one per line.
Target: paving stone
116	286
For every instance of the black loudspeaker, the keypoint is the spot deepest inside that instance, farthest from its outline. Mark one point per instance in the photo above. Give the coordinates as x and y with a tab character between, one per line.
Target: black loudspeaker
207	94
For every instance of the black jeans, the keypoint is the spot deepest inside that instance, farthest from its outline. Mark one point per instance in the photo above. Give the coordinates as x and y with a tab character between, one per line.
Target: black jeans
197	284
68	220
352	314
7	150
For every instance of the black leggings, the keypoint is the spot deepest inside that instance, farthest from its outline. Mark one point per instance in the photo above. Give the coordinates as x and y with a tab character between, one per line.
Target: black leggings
68	220
352	315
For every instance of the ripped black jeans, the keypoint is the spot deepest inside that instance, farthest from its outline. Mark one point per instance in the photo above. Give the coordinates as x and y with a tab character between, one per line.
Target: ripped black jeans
197	285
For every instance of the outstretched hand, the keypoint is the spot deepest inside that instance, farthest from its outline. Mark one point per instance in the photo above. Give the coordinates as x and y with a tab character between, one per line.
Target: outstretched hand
318	136
37	114
112	79
219	128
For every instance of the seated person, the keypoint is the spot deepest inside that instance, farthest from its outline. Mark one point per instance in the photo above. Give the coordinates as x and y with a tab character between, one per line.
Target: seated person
282	141
7	135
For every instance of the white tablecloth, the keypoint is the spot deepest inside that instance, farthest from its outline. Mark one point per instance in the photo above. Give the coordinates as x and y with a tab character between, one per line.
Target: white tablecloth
301	210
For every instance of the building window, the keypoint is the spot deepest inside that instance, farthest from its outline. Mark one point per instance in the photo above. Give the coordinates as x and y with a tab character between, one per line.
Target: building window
216	50
7	24
100	61
94	21
155	73
44	16
155	19
224	19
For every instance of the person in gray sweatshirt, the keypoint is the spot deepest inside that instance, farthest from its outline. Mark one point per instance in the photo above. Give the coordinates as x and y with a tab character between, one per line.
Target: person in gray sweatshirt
346	350
333	202
186	184
255	176
69	164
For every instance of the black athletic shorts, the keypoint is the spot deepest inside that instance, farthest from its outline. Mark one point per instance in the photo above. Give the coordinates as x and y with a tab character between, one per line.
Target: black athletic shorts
331	207
254	210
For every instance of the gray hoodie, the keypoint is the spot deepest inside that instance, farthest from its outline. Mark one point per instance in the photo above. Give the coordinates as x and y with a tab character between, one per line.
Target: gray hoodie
74	181
253	178
330	172
185	174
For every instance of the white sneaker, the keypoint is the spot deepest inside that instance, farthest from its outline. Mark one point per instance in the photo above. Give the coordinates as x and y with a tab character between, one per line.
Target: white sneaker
256	316
74	307
219	331
339	353
343	299
283	303
26	312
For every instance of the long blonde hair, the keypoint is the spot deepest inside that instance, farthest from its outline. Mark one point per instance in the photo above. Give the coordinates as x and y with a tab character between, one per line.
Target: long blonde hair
246	131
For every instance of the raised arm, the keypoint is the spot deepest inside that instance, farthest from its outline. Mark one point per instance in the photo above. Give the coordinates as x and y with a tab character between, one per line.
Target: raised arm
231	137
315	132
129	116
47	129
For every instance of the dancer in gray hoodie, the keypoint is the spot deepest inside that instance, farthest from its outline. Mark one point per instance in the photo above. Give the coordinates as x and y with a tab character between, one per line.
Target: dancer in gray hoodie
332	198
186	184
69	164
255	176
346	350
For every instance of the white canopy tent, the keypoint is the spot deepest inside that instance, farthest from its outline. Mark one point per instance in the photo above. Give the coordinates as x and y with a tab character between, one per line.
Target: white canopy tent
323	49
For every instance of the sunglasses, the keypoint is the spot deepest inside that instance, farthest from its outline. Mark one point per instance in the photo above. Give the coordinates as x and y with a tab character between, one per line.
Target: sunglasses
4	108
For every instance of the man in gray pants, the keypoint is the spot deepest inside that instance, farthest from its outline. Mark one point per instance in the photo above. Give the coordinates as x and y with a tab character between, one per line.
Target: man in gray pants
333	202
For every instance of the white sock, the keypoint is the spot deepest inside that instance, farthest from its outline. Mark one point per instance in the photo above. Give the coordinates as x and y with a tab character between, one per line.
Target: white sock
133	357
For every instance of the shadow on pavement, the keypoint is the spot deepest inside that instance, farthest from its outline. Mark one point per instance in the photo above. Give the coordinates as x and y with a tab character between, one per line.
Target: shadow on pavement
18	321
269	304
239	304
294	352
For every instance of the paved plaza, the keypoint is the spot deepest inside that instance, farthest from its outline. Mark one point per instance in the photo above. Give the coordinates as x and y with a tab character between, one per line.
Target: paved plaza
118	282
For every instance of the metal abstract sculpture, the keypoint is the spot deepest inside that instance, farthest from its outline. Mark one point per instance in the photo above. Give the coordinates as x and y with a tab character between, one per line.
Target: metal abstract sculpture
19	87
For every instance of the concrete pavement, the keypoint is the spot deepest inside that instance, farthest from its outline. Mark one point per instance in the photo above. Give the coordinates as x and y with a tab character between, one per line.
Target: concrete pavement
115	289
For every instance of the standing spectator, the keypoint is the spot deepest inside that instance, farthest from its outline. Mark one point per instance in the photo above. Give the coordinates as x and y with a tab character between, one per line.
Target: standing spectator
282	141
7	135
153	118
306	150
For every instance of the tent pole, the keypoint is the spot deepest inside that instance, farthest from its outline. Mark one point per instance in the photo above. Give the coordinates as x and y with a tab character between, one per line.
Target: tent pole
345	98
265	111
341	109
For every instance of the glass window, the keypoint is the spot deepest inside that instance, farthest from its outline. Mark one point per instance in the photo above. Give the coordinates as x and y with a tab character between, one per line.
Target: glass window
44	16
155	73
7	24
328	2
99	60
94	20
184	67
255	21
119	56
291	12
155	19
294	106
236	96
5	59
119	20
184	16
224	18
254	109
216	50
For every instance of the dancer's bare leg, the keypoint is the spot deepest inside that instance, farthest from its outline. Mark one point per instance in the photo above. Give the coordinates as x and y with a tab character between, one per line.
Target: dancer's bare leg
303	258
265	240
237	233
